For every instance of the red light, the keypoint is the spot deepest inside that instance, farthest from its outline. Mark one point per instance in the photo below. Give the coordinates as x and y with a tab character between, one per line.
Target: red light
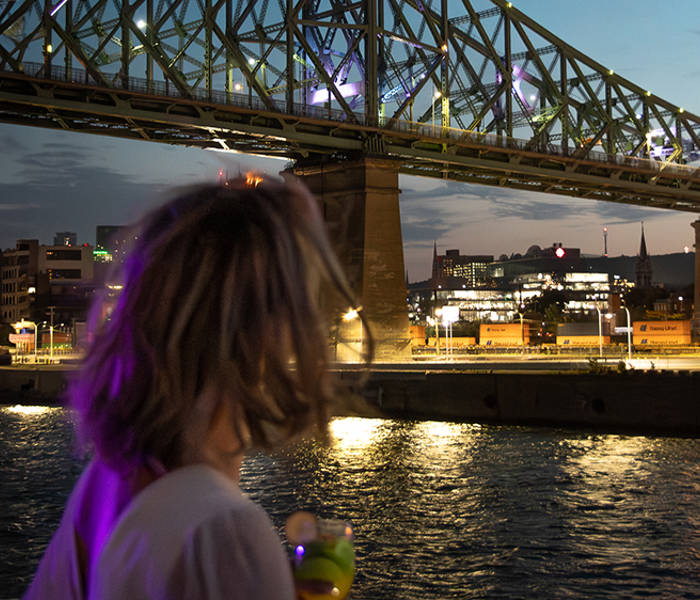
560	252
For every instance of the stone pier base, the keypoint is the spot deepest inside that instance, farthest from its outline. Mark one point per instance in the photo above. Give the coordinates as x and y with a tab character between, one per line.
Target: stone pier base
696	310
360	201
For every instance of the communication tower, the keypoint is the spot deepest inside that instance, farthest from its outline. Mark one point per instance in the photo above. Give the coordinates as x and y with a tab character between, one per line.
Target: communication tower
605	241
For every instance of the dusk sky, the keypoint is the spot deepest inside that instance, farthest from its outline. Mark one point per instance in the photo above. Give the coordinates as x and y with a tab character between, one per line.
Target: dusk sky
56	181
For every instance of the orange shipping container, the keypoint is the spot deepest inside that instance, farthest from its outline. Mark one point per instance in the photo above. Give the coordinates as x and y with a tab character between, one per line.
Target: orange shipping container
457	341
663	333
417	332
503	341
581	340
506	334
661	328
505	330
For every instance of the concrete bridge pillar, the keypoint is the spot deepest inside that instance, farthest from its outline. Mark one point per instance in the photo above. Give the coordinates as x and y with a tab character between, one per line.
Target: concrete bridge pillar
360	202
696	299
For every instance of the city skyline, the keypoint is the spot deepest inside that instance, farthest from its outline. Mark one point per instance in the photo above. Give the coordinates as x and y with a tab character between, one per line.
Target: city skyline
54	180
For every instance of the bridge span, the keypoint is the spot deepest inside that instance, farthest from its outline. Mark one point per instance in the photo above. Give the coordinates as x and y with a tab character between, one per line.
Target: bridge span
473	91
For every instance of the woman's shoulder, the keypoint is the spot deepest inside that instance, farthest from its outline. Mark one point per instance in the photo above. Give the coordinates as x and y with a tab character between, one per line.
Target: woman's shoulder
183	498
185	524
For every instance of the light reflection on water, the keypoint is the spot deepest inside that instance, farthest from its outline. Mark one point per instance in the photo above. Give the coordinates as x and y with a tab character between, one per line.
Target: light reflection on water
440	510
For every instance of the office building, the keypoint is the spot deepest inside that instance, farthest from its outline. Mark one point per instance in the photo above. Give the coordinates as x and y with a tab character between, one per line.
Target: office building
472	270
18	280
34	277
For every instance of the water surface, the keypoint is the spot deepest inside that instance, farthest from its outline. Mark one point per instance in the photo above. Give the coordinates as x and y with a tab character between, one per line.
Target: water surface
440	510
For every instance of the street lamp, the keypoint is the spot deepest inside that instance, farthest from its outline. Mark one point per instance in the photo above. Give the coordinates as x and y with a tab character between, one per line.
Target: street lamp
450	314
438	313
436	94
600	328
629	335
522	334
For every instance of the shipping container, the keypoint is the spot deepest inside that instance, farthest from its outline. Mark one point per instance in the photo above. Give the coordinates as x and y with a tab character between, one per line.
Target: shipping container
503	341
581	340
457	341
417	332
662	333
503	330
661	327
504	334
577	329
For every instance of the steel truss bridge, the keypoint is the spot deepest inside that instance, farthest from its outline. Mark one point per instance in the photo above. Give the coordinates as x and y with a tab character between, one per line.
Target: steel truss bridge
470	90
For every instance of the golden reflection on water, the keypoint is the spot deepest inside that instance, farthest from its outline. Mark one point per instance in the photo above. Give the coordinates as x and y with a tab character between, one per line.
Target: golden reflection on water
608	455
438	433
353	435
19	409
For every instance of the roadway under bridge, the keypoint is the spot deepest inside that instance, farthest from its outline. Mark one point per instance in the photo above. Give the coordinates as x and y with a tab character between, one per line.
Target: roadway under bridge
475	91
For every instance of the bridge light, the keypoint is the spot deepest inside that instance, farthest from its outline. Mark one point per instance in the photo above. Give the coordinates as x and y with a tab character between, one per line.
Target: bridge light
237	86
49	48
444	47
141	24
56	8
681	110
437	94
352	314
648	93
509	5
251	61
611	72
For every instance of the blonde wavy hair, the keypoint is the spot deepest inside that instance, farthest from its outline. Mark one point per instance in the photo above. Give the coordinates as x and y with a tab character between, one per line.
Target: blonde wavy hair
218	294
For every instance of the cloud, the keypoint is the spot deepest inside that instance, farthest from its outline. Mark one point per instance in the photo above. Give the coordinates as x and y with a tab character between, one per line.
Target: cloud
16	206
10	141
54	198
615	213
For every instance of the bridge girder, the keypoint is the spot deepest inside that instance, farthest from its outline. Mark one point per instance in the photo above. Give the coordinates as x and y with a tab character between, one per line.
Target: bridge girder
518	107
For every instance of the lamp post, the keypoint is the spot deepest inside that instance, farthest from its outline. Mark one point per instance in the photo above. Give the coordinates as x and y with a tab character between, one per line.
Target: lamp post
522	335
51	308
438	313
436	94
600	328
629	334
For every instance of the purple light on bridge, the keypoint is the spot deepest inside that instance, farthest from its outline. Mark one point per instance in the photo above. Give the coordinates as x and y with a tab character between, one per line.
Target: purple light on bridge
346	89
56	8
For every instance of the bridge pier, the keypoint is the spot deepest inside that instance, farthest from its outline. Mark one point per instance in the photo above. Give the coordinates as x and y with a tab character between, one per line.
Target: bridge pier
360	203
696	308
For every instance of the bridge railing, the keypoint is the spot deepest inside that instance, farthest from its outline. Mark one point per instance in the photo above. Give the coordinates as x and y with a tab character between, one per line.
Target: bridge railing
500	141
167	89
438	132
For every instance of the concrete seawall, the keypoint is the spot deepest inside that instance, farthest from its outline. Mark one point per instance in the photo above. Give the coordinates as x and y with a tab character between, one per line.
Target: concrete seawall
43	384
643	402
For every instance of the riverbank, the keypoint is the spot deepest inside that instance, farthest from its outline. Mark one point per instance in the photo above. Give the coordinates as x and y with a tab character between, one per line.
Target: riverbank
642	402
649	402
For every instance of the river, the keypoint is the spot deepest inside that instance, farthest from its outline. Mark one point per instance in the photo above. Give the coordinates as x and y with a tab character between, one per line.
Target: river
440	510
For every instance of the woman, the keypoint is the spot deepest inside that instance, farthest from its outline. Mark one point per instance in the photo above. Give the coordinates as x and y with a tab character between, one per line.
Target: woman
193	368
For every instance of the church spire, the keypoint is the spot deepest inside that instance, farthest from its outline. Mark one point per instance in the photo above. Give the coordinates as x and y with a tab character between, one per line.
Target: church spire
643	245
435	275
643	266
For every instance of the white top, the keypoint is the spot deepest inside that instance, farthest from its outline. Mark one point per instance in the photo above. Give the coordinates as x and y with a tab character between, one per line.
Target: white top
189	534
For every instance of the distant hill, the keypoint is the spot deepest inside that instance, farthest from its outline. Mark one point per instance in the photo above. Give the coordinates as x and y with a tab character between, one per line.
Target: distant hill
672	270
